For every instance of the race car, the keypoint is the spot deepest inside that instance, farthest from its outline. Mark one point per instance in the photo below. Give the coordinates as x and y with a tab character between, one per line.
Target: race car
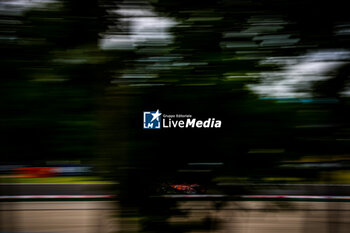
182	189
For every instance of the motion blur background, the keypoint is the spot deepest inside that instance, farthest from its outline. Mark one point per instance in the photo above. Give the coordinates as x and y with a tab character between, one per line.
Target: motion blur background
77	75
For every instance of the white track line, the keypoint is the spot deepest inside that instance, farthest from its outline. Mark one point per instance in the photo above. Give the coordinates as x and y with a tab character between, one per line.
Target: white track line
295	197
58	183
178	196
55	196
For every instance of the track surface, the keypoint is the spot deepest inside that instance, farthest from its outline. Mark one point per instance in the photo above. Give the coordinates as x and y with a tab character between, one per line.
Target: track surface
234	217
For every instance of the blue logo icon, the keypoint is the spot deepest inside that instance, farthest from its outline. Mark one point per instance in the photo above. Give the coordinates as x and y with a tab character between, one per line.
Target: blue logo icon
151	120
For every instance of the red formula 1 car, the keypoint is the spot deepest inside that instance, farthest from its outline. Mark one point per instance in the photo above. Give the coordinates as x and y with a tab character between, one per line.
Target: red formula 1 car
183	189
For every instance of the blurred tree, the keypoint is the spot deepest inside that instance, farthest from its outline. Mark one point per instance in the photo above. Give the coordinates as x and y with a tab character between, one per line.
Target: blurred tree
50	81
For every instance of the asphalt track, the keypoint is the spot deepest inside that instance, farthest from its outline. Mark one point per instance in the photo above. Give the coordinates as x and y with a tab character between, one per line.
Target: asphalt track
260	209
234	217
